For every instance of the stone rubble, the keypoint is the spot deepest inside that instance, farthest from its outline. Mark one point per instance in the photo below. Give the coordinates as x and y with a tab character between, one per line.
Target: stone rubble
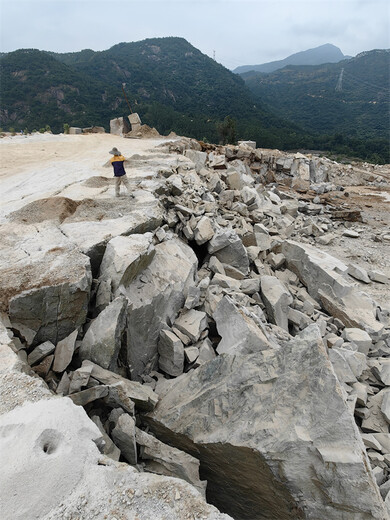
201	330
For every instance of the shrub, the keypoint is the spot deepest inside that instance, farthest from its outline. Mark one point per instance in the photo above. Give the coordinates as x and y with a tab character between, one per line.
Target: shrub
66	128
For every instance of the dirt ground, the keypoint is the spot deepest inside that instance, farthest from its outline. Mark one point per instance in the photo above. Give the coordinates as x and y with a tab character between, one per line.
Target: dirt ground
34	167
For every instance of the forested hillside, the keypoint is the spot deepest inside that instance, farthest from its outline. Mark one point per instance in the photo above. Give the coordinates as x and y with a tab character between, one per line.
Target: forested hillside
171	84
349	98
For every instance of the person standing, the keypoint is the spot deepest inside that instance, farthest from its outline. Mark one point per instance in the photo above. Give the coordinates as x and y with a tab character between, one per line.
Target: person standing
119	171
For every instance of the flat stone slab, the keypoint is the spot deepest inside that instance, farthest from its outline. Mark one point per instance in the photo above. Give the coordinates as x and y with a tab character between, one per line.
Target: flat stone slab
273	423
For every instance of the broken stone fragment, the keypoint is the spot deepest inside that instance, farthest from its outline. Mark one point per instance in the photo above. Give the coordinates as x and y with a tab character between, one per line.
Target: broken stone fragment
89	395
239	333
374	420
347	365
276	300
118	397
59	306
192	323
63	385
80	378
377	276
385	406
40	352
325	279
143	396
382	370
44	366
359	337
103	339
165	460
276	260
193	298
358	273
191	354
229	249
64	352
203	231
171	352
124	437
109	449
206	352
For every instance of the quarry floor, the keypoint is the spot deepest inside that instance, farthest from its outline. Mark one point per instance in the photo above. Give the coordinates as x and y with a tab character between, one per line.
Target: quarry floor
29	171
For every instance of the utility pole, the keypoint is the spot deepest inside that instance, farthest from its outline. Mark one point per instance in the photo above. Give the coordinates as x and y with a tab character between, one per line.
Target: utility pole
339	86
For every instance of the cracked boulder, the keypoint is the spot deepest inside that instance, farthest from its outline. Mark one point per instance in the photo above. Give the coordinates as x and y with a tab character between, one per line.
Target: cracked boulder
45	282
155	298
326	280
277	300
239	332
273	433
103	339
227	246
125	257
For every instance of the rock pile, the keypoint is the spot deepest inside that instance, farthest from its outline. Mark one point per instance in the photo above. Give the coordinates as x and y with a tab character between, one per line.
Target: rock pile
207	339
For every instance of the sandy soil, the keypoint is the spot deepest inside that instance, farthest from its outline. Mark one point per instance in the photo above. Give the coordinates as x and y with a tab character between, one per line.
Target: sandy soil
30	166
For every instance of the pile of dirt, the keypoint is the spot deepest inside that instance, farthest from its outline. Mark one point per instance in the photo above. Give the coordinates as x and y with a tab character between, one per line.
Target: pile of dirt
51	208
144	132
98	182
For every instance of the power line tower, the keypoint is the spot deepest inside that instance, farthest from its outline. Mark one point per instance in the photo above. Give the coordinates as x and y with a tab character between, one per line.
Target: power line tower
339	86
214	55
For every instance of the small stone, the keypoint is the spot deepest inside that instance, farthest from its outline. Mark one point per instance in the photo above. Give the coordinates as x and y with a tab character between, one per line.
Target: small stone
377	276
40	352
358	273
351	234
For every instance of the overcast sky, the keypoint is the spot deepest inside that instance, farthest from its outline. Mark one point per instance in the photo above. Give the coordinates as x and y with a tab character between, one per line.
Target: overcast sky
240	32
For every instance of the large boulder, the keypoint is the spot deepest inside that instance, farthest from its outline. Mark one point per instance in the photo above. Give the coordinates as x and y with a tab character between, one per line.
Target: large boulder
227	246
103	340
91	233
119	126
44	281
155	298
326	281
239	332
52	468
274	435
124	258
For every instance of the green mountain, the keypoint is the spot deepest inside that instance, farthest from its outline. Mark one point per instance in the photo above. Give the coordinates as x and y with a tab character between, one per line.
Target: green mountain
349	98
171	84
327	53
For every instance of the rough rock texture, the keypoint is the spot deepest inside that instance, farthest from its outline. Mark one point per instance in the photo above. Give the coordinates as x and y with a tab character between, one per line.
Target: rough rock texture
143	396
103	340
275	424
240	334
125	257
18	383
56	443
324	277
276	299
155	297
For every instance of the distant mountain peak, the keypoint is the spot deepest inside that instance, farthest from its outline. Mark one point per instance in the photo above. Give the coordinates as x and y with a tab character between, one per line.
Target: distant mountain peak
326	53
